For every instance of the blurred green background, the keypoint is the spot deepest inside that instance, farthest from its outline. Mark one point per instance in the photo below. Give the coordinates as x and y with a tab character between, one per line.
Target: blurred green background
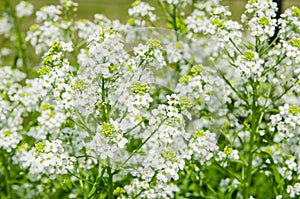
117	9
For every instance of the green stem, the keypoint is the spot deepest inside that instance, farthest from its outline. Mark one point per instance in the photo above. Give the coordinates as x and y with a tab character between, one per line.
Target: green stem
110	182
143	143
20	39
6	176
253	132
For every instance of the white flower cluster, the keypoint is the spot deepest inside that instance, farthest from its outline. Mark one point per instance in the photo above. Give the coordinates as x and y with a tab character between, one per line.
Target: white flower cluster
286	122
294	190
289	21
55	73
250	65
199	85
51	26
292	49
50	121
10	138
51	159
28	95
177	51
203	146
286	154
24	9
151	53
262	23
141	11
5	25
106	142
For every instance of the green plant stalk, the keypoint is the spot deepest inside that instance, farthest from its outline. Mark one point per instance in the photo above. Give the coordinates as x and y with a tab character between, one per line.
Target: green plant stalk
253	132
20	39
6	176
110	181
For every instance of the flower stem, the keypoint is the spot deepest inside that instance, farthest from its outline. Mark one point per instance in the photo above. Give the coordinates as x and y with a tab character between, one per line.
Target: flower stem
253	132
110	182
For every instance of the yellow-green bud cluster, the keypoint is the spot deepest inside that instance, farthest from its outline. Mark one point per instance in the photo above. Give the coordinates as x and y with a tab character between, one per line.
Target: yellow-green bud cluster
45	106
55	48
119	191
218	23
169	155
40	147
154	43
295	110
264	21
249	55
196	70
228	150
139	88
80	85
48	61
185	79
296	12
7	133
112	68
44	70
199	133
108	129
296	42
185	102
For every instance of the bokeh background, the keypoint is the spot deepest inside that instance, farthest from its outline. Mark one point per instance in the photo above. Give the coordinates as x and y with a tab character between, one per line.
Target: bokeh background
117	9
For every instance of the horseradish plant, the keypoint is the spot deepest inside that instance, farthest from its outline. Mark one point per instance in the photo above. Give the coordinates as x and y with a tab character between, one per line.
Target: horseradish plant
179	102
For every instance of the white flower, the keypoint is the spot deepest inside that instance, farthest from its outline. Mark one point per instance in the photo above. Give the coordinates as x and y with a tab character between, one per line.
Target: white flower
24	9
9	139
142	9
66	46
140	50
5	25
172	111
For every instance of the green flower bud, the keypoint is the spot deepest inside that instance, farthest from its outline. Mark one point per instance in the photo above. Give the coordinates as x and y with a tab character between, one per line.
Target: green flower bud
185	79
40	147
185	102
44	70
228	150
80	85
249	55
197	69
154	43
108	129
139	88
296	12
169	155
55	48
199	133
295	110
7	133
296	42
264	21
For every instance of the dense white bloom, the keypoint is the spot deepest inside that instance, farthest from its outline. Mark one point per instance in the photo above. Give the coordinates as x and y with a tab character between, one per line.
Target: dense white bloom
9	139
48	13
5	25
261	23
293	190
51	159
24	9
142	9
250	65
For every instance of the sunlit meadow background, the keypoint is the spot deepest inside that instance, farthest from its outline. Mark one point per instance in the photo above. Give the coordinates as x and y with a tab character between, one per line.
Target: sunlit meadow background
117	9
